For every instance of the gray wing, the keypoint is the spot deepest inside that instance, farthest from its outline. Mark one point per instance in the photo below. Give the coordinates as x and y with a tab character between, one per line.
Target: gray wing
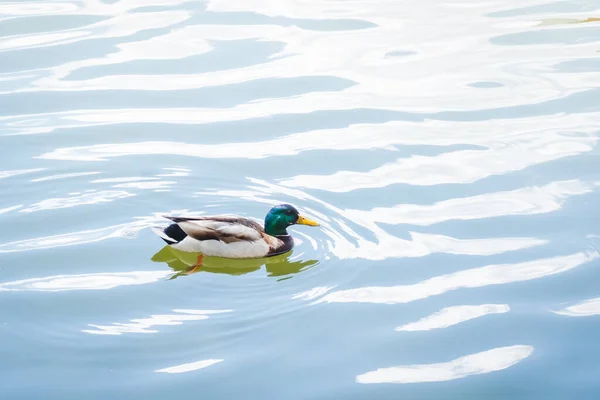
224	228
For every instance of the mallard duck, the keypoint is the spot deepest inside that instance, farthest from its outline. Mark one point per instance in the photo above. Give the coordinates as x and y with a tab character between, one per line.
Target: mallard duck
233	236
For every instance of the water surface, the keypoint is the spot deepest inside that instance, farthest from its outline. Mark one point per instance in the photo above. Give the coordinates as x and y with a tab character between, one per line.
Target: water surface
448	149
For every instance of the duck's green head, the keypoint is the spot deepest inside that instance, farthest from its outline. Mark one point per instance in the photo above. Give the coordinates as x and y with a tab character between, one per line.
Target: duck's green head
280	217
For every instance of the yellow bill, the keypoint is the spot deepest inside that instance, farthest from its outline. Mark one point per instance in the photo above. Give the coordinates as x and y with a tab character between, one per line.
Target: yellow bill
306	221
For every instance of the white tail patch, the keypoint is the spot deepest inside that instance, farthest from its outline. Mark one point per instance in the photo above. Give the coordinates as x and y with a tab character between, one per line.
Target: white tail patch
160	232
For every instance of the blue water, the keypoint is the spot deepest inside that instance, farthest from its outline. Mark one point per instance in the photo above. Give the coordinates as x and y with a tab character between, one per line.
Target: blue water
448	149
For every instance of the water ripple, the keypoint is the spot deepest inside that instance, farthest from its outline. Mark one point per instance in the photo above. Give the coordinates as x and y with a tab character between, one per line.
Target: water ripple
98	281
450	316
144	325
474	364
470	278
442	146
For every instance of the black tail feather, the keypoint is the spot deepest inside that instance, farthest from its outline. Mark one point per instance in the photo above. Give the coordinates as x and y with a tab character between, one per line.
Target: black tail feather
171	234
175	232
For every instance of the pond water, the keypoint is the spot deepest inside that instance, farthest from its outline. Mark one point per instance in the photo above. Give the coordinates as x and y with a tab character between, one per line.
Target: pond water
449	151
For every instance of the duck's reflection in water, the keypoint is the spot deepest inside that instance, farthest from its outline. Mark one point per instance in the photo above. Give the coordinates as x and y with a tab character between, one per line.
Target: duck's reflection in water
184	263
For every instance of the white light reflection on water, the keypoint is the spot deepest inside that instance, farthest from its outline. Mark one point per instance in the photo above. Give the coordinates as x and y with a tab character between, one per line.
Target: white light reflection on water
585	308
313	293
389	246
128	231
510	139
29	8
117	26
145	185
145	325
193	366
524	201
450	316
9	209
84	199
124	179
64	176
80	7
464	166
8	174
176	44
96	281
470	278
175	172
382	82
474	364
